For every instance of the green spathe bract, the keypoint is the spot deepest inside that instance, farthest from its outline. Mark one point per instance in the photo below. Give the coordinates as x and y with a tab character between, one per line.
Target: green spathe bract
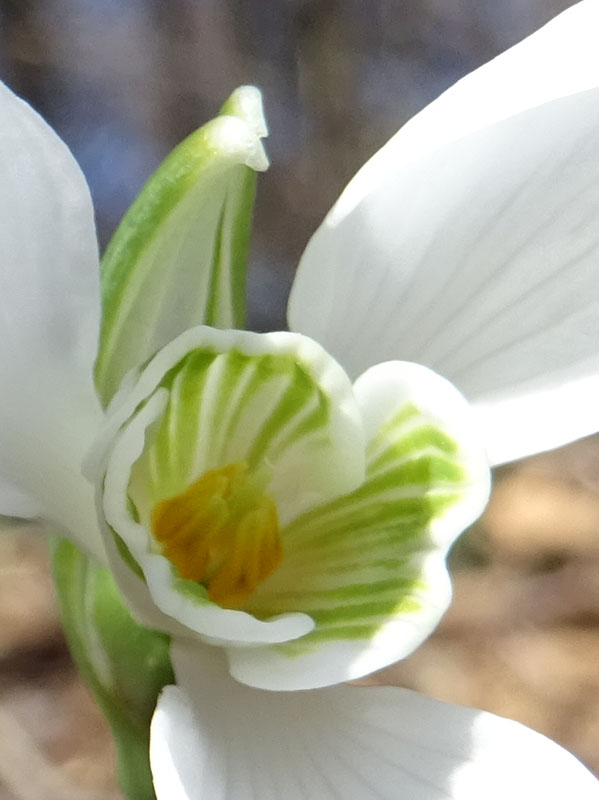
124	664
179	256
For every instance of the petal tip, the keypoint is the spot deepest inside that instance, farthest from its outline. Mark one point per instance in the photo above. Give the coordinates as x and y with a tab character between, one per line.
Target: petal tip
246	103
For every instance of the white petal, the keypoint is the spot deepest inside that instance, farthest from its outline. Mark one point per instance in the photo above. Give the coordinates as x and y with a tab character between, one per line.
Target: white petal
212	738
469	242
13	503
369	567
49	311
538	419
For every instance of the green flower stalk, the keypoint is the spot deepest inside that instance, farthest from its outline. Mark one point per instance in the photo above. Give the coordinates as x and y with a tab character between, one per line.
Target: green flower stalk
124	664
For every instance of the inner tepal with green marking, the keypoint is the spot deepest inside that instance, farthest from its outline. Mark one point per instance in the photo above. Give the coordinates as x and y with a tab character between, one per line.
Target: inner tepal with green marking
252	476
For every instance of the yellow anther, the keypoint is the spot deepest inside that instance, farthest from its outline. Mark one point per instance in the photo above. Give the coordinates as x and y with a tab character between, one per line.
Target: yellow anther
223	532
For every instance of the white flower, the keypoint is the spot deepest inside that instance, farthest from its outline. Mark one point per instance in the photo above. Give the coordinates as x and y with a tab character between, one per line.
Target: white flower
249	496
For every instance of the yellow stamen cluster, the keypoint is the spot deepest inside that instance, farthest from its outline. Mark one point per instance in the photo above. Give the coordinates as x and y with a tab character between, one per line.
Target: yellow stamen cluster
223	532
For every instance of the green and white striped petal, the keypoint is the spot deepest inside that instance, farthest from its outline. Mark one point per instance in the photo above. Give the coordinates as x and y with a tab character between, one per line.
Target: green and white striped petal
276	402
369	568
178	259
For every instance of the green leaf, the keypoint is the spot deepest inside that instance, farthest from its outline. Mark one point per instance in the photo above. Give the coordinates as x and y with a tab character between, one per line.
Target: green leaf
124	664
178	258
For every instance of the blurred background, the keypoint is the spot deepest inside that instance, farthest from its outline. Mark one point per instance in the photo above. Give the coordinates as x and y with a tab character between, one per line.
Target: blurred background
123	81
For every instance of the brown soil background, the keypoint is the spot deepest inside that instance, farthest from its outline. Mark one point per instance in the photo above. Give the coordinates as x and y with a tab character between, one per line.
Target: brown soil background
521	638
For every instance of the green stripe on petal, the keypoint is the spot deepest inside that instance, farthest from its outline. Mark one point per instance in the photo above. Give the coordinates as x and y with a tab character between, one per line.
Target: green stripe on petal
369	567
178	258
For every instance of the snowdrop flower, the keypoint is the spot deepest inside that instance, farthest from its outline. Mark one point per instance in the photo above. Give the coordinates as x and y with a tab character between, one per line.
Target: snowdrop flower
249	495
